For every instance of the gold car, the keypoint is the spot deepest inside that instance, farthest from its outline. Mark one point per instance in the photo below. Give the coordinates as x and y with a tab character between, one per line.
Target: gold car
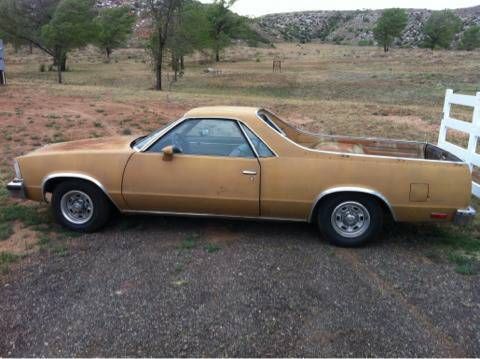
241	162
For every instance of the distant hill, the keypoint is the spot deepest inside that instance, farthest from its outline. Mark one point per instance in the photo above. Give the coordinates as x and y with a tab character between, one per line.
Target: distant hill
349	26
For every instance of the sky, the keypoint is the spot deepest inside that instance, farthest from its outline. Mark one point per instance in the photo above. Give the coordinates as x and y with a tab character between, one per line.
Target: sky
262	7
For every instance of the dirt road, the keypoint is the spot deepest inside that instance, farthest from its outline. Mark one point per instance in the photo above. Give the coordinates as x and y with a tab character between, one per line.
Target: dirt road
154	286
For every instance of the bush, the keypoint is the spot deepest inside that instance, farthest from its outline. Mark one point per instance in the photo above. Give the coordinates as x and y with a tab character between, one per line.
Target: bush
440	29
471	38
365	43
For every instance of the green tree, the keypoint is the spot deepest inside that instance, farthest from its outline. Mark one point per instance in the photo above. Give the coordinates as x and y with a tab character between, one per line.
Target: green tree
471	38
113	26
22	21
190	33
390	26
223	25
162	15
440	29
70	27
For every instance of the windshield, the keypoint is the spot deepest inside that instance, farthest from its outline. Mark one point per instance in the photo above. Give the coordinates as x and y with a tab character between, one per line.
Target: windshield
141	141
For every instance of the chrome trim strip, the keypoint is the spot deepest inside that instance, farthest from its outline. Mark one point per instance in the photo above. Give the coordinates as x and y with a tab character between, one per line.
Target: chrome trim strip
261	139
75	175
357	154
209	215
239	124
159	135
351	189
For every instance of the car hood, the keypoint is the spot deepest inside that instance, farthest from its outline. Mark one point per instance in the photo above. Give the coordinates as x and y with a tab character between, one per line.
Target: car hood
105	144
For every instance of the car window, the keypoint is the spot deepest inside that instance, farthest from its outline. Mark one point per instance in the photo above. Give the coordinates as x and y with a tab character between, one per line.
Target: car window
260	146
206	137
272	124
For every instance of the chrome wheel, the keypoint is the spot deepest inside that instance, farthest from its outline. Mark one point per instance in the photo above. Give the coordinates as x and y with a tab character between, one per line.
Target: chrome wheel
350	219
76	207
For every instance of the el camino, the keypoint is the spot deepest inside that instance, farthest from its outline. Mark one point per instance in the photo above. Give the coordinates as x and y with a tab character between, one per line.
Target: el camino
241	162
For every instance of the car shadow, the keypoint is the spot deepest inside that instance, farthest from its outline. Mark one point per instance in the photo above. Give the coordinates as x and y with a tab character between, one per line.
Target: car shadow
397	234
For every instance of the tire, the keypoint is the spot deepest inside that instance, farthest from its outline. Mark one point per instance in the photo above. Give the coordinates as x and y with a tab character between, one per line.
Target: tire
80	206
350	219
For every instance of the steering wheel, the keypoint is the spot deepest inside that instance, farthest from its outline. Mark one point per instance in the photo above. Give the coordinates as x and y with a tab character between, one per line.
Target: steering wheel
179	142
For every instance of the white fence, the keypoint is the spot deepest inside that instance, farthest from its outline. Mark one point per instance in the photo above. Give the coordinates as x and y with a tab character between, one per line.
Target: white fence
472	128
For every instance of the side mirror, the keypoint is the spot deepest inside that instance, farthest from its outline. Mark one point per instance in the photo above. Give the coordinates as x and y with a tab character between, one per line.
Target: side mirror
169	151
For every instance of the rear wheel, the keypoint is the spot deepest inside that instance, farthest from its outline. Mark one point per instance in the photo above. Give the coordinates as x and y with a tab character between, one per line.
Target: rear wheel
350	220
80	206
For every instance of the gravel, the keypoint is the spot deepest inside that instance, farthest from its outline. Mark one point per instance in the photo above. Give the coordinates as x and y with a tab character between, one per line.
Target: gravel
271	289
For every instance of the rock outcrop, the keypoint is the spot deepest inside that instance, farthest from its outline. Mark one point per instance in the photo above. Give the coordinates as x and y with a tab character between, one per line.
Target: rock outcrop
351	27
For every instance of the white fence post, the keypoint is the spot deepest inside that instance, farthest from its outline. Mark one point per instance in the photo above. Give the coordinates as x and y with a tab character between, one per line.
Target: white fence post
469	154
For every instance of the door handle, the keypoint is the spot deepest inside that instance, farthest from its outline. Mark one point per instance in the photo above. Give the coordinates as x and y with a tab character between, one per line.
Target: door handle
249	173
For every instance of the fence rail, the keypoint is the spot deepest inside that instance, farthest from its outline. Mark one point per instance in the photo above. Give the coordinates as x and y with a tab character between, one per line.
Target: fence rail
472	129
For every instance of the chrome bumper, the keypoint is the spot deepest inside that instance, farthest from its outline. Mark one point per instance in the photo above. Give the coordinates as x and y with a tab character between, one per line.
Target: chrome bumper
16	188
465	216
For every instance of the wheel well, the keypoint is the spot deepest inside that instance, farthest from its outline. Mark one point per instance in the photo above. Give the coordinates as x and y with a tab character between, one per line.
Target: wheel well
385	207
50	184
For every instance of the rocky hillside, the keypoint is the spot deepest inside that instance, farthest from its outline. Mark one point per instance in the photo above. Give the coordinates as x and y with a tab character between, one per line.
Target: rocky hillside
349	27
354	27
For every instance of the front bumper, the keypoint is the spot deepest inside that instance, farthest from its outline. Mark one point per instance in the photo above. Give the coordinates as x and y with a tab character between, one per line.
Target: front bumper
465	216
16	188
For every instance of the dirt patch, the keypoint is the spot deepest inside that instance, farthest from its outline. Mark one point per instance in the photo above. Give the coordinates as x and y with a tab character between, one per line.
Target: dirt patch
220	234
32	118
22	241
412	121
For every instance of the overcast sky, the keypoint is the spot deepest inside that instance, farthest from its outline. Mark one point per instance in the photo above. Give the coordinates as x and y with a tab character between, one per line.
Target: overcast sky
261	7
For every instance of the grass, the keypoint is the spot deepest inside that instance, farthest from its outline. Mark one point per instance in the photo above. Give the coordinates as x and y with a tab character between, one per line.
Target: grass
212	247
7	258
6	230
464	264
59	249
460	246
188	243
28	215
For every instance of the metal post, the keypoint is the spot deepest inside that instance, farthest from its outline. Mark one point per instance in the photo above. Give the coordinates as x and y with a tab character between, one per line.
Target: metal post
3	77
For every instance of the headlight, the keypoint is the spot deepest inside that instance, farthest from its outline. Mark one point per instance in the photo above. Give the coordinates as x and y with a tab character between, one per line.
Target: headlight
18	174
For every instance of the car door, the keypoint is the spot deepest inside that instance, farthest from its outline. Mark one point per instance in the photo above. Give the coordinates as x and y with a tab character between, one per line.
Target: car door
214	172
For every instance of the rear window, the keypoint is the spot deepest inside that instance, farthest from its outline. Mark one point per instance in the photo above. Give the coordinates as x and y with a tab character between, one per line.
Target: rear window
270	123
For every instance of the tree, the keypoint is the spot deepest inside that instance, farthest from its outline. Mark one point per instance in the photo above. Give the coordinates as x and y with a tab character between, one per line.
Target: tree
440	29
223	25
113	26
70	27
389	26
191	33
161	14
22	20
471	38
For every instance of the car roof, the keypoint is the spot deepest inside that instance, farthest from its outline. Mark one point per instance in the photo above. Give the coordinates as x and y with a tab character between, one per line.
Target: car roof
237	112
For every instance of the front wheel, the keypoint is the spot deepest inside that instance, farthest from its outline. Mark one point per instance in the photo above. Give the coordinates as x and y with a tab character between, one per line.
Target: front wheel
350	220
80	206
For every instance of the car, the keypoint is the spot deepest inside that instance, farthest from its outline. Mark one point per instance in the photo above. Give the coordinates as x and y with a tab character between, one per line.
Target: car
248	163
